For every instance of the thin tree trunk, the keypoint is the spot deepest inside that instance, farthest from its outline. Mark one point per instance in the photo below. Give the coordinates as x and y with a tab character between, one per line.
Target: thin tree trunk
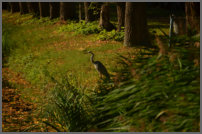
80	11
44	9
192	10
136	32
67	10
104	18
14	7
120	14
23	7
63	13
54	9
33	8
88	12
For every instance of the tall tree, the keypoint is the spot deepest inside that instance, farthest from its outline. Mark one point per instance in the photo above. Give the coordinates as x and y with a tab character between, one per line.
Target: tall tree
192	10
67	10
120	14
14	7
44	9
23	7
104	17
54	9
80	11
136	32
33	8
88	12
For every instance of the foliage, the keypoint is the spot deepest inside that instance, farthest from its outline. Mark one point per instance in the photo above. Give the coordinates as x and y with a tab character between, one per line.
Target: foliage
92	28
7	44
112	35
42	21
157	94
68	108
148	92
81	27
95	7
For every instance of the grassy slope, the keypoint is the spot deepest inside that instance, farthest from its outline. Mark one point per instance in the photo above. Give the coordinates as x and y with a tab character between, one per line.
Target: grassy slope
39	46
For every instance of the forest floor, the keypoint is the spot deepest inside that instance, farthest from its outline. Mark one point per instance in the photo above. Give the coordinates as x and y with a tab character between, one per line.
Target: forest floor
38	49
16	112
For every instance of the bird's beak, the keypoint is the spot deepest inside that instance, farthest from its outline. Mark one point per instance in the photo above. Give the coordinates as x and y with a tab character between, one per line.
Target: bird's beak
85	51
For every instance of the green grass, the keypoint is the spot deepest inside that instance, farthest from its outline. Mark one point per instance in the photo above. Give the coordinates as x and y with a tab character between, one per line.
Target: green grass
7	45
162	96
159	100
39	47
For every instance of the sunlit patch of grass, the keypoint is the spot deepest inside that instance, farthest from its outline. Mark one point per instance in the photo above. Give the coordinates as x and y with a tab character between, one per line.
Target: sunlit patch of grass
154	25
42	47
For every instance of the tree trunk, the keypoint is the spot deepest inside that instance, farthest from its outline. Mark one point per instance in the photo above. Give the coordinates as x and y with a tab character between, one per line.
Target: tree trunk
179	26
120	14
136	32
80	11
192	10
67	10
104	18
23	7
54	9
33	8
14	7
44	9
88	12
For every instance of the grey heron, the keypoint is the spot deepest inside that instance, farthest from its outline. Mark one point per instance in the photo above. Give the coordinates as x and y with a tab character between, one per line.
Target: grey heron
99	66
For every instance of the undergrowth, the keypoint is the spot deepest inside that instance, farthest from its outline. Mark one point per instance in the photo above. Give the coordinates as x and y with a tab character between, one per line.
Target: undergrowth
42	21
161	96
67	107
112	35
154	94
81	27
148	93
7	44
92	28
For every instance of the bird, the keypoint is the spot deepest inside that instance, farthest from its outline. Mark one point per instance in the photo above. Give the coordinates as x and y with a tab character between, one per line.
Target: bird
99	66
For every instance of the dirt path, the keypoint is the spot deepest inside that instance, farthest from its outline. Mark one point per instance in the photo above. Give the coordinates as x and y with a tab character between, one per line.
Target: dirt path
17	114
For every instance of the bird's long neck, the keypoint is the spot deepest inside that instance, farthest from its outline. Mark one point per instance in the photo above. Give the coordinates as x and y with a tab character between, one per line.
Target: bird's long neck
92	58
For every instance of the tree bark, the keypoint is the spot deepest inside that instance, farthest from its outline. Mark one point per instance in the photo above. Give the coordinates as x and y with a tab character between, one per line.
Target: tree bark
67	10
44	9
33	8
88	12
14	7
120	14
23	7
192	10
179	25
136	32
104	18
80	11
54	9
